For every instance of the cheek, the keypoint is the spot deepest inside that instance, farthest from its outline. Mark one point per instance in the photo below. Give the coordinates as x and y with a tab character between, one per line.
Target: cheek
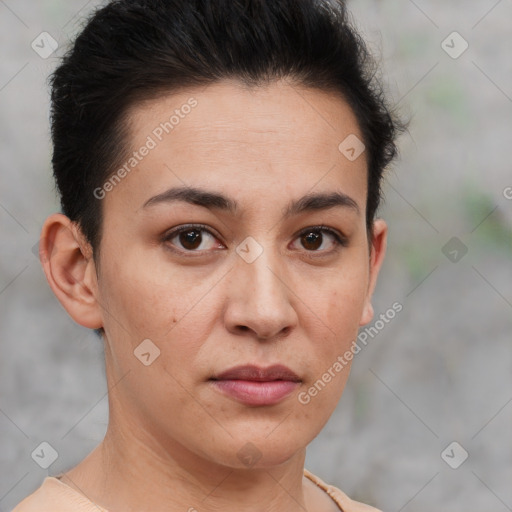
343	311
176	314
338	302
332	330
148	300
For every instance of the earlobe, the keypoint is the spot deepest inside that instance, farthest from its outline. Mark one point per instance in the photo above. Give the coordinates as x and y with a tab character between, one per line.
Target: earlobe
67	261
378	251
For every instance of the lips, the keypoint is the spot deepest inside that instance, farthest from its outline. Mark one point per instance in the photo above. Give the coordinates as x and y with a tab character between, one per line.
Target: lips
257	374
255	386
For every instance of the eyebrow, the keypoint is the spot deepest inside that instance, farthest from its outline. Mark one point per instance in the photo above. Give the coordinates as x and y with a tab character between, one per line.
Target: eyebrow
217	201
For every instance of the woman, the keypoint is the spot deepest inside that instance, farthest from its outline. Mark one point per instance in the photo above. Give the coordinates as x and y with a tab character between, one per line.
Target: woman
219	168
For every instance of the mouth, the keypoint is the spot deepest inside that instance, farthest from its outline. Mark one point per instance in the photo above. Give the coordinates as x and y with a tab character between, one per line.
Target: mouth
258	374
256	386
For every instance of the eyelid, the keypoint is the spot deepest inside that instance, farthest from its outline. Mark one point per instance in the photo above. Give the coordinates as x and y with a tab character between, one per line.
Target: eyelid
341	241
170	234
338	235
187	227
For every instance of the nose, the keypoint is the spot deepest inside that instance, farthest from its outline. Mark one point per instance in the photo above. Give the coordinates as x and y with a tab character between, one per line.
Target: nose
258	299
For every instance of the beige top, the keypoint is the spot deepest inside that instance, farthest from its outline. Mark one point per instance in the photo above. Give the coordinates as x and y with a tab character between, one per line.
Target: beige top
55	496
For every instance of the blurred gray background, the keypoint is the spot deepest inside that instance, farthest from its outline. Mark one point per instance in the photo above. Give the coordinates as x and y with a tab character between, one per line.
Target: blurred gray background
440	372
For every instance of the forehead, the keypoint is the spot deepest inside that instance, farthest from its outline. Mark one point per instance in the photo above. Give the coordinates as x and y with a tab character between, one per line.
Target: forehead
228	106
250	139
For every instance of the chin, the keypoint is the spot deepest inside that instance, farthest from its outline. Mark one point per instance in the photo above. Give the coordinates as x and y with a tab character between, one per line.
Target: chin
262	451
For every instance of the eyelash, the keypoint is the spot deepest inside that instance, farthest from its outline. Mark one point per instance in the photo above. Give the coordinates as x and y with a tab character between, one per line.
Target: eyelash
340	240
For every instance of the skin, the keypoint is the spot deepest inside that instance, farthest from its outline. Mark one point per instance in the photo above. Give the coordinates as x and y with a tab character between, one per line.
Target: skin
173	439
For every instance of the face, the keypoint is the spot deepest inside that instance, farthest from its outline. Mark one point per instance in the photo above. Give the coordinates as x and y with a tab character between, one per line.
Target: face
262	273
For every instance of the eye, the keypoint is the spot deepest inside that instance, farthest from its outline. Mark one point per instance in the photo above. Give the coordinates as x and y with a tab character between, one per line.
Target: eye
313	239
192	238
196	238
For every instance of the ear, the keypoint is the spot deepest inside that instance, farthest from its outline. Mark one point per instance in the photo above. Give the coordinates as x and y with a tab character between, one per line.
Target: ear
67	261
377	252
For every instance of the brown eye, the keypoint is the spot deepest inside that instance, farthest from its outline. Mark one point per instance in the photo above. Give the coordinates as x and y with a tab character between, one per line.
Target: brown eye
191	239
314	239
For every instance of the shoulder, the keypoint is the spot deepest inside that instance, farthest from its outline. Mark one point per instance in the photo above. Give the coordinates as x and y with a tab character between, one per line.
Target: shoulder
343	501
55	496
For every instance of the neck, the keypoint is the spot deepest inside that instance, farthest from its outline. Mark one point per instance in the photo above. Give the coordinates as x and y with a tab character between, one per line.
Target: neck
131	470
